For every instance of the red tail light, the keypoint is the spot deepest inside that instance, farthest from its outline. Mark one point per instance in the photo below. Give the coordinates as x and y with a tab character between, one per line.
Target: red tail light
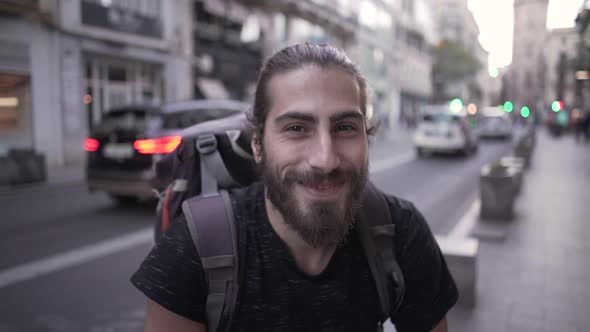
157	145
91	145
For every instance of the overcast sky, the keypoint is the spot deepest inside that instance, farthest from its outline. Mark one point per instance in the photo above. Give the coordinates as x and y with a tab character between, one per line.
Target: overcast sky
495	18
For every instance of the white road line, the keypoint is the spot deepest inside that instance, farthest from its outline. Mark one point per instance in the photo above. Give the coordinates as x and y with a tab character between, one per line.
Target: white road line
467	222
74	257
385	164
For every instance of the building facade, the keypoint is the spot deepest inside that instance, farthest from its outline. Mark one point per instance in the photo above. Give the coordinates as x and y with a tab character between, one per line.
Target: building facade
79	58
455	22
560	53
64	63
527	78
415	36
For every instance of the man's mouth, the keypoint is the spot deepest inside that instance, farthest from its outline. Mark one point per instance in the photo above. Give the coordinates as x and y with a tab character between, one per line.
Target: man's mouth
325	189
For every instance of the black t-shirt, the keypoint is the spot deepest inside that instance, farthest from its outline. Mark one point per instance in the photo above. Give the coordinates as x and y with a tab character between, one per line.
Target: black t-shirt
275	295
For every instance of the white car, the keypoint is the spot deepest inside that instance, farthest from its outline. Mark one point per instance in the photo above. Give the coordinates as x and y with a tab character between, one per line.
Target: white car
494	122
446	132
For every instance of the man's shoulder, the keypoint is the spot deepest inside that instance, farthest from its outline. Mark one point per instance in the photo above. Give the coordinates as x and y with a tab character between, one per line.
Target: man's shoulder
401	209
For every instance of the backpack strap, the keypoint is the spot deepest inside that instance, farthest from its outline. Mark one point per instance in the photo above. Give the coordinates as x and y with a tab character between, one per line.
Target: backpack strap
213	170
211	223
377	234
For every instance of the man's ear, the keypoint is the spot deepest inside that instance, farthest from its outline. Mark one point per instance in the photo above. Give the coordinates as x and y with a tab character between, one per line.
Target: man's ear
256	145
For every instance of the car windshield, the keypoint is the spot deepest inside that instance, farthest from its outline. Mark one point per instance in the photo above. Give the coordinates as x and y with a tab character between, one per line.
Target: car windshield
131	119
184	119
441	118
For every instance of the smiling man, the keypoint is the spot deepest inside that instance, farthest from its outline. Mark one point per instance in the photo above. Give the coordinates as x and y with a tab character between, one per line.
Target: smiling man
302	265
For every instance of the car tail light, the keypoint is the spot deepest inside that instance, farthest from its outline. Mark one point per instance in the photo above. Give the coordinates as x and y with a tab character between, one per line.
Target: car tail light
157	145
91	145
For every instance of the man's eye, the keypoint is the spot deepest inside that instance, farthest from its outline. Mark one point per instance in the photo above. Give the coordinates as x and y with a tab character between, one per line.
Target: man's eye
296	128
346	127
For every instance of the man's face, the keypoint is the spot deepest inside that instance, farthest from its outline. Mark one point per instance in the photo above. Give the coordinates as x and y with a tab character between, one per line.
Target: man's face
314	153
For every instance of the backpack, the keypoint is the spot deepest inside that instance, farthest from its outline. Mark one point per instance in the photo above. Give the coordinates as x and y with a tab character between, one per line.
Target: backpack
215	157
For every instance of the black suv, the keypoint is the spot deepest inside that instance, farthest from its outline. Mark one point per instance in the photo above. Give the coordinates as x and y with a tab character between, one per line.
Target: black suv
122	149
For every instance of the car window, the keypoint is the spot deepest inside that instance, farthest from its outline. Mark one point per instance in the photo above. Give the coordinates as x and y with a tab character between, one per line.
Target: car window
441	118
185	119
133	119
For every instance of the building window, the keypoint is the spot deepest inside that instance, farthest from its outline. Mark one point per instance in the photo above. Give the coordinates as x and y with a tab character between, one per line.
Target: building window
112	83
14	101
140	17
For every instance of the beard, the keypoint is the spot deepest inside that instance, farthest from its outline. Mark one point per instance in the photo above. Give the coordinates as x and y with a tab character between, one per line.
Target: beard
319	223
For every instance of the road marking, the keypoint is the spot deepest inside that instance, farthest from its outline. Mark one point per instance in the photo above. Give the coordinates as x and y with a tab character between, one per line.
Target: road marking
74	257
467	222
385	164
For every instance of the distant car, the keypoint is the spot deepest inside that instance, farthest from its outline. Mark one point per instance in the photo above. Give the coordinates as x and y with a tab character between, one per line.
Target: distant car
494	122
123	148
444	131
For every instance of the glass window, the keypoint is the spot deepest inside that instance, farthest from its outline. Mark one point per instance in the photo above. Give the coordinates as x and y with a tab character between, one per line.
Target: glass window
189	118
14	101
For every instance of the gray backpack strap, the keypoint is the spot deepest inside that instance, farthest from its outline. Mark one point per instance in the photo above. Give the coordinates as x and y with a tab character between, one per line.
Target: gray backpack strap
211	223
213	170
377	234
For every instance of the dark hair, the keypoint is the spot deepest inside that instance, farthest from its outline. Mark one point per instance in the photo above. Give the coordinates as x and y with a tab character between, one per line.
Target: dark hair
295	57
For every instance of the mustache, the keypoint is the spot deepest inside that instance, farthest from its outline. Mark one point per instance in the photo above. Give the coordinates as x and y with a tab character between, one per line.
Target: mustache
313	177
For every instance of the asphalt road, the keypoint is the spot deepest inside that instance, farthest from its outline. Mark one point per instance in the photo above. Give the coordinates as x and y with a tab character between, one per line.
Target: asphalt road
64	288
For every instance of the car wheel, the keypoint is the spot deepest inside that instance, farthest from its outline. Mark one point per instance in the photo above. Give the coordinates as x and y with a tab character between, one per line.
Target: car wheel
123	200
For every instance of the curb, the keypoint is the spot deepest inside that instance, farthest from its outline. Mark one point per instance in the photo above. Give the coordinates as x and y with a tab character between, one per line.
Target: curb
33	188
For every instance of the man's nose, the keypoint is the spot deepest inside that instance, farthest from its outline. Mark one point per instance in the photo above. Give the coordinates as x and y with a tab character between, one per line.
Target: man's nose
324	155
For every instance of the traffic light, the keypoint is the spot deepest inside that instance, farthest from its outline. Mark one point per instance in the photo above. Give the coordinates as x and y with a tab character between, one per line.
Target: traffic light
557	105
508	106
493	72
525	112
456	105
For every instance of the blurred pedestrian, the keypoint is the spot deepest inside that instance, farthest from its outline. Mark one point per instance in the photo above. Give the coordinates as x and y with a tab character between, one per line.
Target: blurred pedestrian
578	122
302	262
586	124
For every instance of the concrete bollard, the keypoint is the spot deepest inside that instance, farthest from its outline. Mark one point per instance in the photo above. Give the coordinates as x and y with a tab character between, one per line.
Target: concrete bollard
497	191
461	256
518	165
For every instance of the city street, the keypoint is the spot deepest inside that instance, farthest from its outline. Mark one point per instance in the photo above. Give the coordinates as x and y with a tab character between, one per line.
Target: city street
93	291
93	93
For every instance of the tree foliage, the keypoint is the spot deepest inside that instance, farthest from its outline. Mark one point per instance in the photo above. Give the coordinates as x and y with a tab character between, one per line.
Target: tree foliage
452	62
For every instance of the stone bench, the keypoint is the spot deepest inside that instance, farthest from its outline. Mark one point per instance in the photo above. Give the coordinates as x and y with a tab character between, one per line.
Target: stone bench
461	256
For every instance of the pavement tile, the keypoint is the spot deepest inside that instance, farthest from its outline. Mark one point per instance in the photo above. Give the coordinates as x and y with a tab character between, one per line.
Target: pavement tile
537	277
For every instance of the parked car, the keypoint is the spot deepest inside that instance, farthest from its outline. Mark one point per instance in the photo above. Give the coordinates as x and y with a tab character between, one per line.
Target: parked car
123	148
494	122
441	130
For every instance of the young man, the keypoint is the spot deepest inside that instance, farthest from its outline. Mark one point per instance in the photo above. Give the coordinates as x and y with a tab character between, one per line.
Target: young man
302	266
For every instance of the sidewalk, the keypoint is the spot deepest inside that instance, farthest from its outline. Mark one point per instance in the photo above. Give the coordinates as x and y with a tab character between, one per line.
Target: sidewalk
56	177
538	277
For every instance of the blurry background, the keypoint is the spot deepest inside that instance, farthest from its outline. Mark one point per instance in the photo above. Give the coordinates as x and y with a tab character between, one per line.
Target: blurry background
69	67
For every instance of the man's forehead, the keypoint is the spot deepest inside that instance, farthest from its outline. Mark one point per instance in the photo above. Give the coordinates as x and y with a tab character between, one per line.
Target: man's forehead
314	91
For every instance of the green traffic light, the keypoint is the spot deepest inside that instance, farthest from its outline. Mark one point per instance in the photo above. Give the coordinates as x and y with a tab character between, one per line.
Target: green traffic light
525	112
456	105
556	106
508	106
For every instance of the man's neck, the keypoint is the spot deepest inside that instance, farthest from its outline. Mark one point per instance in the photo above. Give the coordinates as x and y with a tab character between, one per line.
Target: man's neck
309	259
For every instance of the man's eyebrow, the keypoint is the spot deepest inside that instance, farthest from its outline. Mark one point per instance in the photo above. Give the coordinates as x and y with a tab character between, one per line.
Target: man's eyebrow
345	115
294	115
